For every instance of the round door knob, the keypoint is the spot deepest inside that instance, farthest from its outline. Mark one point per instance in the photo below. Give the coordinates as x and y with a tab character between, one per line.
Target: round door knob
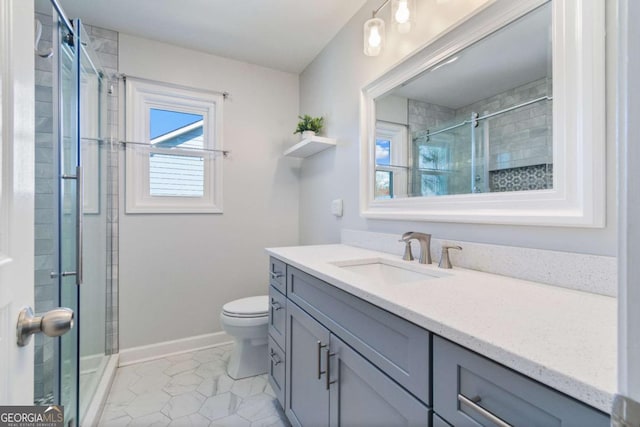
53	323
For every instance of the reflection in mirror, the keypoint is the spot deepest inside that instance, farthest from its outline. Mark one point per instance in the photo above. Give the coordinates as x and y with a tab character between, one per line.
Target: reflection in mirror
175	175
478	121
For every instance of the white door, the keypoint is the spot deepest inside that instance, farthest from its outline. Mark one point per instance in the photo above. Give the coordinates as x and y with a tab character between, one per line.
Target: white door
16	195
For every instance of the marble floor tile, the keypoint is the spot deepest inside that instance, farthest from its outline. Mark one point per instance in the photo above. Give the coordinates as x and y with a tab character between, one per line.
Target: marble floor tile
190	389
183	405
220	406
231	421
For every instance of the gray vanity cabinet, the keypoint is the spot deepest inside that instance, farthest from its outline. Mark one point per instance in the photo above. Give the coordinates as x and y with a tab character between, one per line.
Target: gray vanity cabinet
347	362
329	383
397	347
361	395
307	399
472	391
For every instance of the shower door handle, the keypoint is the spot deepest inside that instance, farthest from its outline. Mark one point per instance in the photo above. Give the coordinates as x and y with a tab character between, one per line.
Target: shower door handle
53	323
79	222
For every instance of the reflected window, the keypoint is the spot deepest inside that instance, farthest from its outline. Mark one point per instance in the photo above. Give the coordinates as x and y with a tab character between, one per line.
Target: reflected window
383	152
391	160
384	184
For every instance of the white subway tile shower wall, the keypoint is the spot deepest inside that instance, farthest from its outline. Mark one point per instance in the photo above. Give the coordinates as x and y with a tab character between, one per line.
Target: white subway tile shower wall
582	272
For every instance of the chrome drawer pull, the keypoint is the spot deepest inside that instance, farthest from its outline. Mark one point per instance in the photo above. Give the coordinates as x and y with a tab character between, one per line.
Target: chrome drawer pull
275	275
472	404
275	305
329	355
320	347
274	358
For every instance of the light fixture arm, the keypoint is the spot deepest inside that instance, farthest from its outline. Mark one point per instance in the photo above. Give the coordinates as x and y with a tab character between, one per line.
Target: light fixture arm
375	12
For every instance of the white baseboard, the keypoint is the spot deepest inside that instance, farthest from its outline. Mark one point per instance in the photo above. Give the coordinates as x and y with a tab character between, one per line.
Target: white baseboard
144	353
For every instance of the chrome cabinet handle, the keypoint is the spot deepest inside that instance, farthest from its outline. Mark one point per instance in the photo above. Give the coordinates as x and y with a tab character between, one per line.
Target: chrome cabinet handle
79	222
275	305
319	348
473	404
275	275
274	357
328	381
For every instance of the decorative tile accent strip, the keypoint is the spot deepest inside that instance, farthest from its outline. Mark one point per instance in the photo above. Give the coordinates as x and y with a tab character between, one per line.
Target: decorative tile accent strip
536	177
587	273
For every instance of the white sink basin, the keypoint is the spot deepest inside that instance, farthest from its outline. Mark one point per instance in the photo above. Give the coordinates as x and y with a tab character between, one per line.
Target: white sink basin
388	272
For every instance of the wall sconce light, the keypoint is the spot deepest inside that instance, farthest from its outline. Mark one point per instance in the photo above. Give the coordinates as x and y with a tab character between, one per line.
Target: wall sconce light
403	14
374	34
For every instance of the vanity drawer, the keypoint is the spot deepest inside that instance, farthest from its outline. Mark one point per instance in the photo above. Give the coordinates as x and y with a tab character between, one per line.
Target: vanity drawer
278	275
277	316
469	390
397	347
277	370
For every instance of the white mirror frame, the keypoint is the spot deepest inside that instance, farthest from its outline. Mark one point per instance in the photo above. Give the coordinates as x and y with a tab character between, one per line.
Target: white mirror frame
579	181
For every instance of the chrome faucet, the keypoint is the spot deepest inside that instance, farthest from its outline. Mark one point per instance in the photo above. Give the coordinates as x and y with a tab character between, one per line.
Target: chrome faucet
425	246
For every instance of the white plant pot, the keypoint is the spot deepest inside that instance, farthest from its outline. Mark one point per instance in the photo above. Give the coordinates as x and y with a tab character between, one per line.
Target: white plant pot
307	134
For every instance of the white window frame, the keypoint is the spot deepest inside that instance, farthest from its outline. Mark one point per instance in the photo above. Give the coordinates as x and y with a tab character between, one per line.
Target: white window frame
141	96
398	154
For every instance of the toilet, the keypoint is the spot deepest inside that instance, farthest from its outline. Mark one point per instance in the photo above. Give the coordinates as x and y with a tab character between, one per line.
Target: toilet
246	320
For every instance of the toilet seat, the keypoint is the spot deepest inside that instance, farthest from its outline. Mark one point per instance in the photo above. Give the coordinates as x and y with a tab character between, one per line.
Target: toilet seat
250	307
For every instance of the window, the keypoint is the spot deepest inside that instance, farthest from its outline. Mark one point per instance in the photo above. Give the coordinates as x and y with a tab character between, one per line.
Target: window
170	164
391	160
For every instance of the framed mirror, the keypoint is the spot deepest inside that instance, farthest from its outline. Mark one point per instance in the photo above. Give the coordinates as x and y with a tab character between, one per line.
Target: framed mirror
499	120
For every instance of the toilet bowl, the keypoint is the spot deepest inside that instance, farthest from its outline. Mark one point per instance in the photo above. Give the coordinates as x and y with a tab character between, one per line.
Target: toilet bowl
246	320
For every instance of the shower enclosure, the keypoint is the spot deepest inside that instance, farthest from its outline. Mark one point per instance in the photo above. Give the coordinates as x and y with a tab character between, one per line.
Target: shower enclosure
76	215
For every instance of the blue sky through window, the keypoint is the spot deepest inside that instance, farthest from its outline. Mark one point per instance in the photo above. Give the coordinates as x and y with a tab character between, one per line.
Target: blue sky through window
383	154
164	121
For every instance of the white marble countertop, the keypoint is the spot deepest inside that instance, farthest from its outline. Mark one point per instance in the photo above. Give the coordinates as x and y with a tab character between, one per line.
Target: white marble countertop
563	338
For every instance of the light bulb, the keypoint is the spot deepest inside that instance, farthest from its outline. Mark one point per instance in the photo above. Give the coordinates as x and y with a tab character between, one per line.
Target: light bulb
402	14
374	37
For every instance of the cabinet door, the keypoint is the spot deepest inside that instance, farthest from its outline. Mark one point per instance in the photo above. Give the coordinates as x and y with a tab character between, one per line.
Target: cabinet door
277	370
307	400
361	395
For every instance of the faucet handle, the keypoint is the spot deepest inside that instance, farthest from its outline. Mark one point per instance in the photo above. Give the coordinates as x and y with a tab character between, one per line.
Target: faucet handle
408	256
445	262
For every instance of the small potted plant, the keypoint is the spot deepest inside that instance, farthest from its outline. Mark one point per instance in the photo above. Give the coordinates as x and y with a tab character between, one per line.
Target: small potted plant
308	126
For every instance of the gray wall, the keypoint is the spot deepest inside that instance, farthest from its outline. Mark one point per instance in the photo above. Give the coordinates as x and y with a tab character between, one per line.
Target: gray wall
178	270
330	86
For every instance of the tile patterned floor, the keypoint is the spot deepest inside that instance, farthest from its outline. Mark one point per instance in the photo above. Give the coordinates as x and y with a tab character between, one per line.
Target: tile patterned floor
191	389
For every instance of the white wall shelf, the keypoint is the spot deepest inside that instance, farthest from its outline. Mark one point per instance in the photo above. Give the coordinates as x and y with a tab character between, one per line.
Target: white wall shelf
310	146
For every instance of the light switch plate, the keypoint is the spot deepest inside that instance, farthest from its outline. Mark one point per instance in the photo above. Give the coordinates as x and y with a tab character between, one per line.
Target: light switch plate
336	207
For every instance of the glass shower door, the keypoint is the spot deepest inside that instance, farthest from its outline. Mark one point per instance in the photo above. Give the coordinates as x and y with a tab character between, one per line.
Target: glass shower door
68	77
93	291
